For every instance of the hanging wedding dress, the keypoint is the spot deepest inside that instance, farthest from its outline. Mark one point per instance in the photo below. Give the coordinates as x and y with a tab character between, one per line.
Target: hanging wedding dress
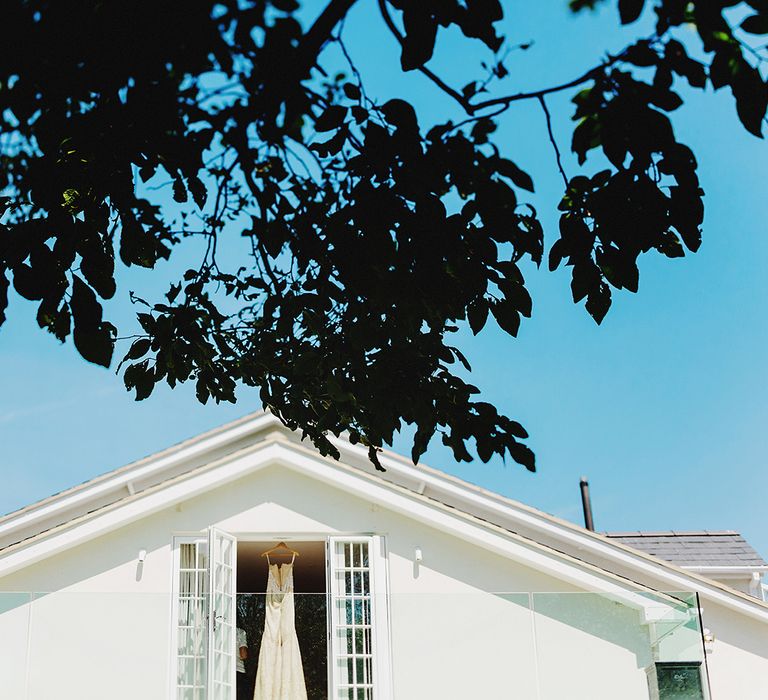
280	675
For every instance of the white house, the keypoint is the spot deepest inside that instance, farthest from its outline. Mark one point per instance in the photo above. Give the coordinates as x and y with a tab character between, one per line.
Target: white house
410	584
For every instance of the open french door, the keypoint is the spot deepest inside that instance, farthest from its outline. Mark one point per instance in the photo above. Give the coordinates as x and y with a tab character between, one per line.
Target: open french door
205	617
358	619
222	615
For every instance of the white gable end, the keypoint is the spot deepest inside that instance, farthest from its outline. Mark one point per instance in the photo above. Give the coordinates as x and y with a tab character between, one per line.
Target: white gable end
465	578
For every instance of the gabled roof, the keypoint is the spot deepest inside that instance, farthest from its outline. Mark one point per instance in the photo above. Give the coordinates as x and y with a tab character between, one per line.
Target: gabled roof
703	549
587	559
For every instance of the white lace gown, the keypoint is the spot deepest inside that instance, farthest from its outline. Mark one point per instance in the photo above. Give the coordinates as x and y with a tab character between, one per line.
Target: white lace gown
280	675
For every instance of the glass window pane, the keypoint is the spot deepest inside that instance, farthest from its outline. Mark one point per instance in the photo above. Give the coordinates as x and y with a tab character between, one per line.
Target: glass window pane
186	672
344	638
186	641
359	641
185	611
344	671
358	610
358	559
360	671
200	674
186	582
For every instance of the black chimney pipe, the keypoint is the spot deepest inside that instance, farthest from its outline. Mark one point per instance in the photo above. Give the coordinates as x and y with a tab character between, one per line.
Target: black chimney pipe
586	504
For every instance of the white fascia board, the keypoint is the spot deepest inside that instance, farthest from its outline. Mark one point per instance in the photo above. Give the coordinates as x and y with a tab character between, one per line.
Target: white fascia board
506	514
125	476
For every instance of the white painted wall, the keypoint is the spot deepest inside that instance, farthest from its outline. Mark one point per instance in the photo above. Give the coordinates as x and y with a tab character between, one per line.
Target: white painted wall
738	663
14	637
463	623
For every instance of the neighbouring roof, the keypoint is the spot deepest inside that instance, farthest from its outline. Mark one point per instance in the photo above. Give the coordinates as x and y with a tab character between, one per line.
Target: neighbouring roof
694	549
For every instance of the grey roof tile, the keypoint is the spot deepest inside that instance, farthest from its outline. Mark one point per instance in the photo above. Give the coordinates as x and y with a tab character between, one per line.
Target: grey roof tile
696	548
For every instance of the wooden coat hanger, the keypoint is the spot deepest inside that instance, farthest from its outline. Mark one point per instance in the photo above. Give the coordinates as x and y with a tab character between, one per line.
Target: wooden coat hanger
280	548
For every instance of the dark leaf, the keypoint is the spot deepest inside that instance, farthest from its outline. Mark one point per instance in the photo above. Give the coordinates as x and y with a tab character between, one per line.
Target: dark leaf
598	302
506	316
756	24
352	91
332	118
419	40
286	5
641	54
140	377
359	114
556	254
3	296
28	283
373	455
98	267
138	349
630	10
523	455
93	338
54	319
198	191
477	314
519	177
400	113
172	293
179	191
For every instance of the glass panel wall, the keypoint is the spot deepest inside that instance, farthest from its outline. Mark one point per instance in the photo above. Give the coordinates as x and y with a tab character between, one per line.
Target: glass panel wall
537	646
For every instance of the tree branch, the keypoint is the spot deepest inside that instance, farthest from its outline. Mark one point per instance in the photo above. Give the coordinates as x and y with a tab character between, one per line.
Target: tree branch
320	32
552	140
471	108
591	74
423	69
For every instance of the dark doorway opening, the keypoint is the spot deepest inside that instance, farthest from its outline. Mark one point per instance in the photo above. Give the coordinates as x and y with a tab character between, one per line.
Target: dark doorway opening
310	598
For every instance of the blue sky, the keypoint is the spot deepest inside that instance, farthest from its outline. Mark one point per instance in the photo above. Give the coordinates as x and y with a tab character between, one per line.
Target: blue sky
663	407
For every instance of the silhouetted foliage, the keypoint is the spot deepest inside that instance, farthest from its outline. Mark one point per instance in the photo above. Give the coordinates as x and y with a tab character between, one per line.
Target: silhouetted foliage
370	235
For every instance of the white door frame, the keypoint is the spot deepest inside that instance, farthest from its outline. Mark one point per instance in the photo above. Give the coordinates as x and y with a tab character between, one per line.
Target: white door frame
379	565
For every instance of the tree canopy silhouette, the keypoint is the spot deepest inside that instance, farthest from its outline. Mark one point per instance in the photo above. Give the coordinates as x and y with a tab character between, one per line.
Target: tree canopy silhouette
370	236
